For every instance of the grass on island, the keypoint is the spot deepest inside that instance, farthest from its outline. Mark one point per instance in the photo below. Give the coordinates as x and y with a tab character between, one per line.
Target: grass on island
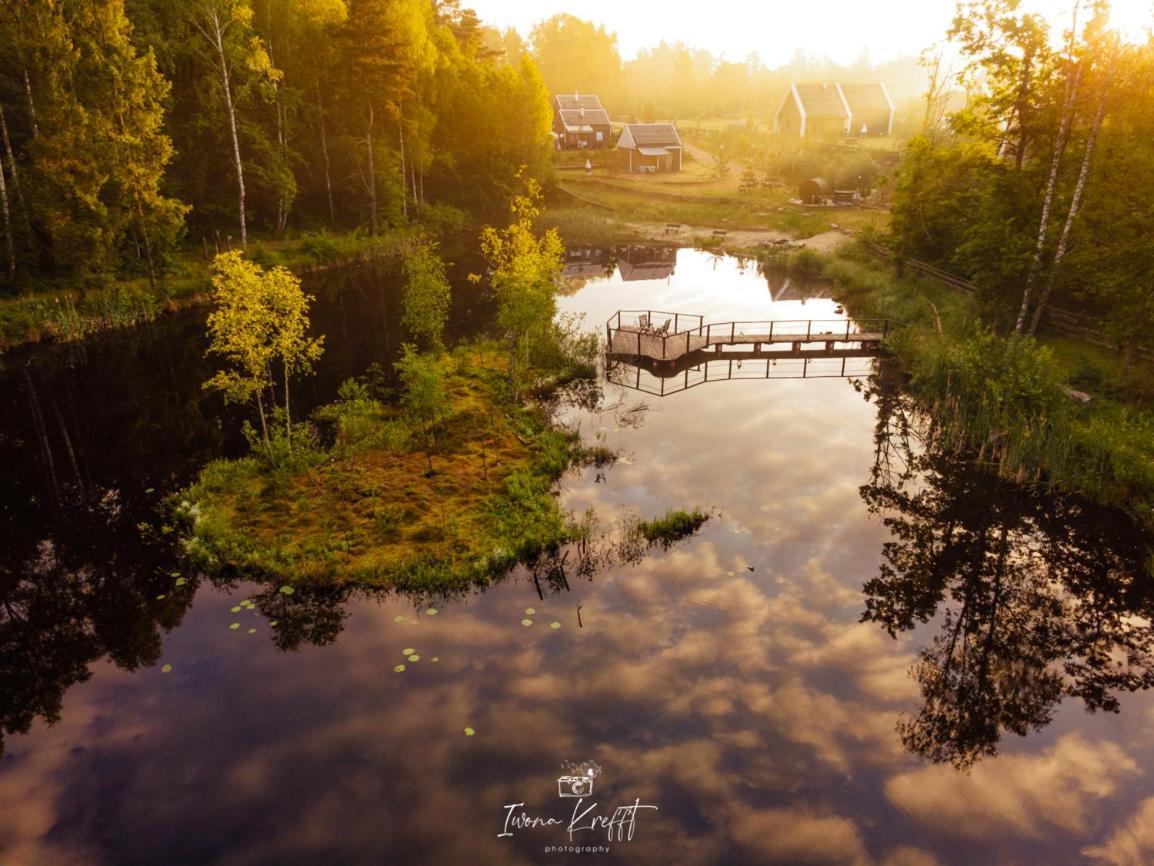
1008	400
367	510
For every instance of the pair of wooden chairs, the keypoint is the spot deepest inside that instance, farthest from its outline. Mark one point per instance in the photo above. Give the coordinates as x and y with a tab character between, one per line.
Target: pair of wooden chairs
645	324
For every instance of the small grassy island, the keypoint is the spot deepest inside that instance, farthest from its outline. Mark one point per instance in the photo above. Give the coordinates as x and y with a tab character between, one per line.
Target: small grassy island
365	508
444	482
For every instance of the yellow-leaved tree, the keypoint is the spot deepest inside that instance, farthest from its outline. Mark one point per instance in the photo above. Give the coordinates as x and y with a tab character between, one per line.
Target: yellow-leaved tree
259	324
525	270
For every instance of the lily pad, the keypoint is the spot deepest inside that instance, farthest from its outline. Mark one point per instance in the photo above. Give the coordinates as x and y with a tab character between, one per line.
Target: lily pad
252	631
408	651
431	612
414	658
435	659
287	590
272	622
729	574
398	669
530	611
166	669
554	625
236	609
181	581
526	622
161	597
400	617
469	732
235	626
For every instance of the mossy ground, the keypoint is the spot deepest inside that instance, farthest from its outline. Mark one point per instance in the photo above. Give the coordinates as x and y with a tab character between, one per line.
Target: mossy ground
366	509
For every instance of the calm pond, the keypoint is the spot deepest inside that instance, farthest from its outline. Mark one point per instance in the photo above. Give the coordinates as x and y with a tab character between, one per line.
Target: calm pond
871	654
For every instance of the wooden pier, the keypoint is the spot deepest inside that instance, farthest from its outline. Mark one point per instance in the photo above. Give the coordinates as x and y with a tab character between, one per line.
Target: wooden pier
656	335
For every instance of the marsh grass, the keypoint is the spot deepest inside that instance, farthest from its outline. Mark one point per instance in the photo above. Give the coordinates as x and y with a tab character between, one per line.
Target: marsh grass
1006	401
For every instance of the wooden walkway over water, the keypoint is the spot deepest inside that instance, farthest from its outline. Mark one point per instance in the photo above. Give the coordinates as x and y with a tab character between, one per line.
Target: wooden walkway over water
657	335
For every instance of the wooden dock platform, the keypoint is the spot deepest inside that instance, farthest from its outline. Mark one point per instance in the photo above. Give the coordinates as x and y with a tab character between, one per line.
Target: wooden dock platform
660	336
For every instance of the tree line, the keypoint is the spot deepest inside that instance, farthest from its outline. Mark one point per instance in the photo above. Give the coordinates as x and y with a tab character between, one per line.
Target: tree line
1038	190
128	127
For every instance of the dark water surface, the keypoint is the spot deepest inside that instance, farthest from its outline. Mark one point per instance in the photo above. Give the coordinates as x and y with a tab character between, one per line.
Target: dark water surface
872	654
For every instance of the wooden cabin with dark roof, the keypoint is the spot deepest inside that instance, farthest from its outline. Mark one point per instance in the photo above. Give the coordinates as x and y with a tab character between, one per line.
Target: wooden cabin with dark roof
650	147
829	109
580	122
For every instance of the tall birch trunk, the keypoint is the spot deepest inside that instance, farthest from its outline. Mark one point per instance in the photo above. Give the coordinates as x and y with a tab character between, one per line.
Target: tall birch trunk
404	179
1072	214
215	31
31	105
13	172
1048	199
11	243
372	181
1052	181
325	154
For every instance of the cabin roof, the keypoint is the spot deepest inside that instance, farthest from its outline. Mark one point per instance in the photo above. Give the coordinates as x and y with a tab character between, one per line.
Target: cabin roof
576	101
866	97
821	99
650	135
573	118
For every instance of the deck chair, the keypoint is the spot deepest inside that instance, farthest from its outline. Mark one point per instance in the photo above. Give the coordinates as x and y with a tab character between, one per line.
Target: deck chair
664	329
643	322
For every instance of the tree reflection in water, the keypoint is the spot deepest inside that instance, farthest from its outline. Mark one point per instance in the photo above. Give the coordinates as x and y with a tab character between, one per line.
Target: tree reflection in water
1036	597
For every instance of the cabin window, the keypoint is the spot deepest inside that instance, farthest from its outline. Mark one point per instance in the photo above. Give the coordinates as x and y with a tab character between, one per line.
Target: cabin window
600	136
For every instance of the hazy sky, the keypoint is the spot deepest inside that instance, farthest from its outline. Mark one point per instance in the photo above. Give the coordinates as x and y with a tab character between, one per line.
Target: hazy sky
839	29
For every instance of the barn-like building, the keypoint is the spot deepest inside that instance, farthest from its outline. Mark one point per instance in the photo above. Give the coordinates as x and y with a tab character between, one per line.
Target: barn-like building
829	109
650	147
579	121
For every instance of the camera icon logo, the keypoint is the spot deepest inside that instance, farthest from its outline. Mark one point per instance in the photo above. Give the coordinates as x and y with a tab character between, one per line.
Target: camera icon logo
575	786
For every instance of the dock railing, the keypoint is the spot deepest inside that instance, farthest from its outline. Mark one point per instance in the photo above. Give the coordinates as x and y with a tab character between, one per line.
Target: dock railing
665	336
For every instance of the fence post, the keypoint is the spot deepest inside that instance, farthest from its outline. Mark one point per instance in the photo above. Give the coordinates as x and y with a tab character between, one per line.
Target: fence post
847	323
687	342
771	331
676	319
732	330
638	343
808	329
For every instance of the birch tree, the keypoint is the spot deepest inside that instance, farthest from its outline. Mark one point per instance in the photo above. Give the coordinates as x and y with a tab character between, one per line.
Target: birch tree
230	42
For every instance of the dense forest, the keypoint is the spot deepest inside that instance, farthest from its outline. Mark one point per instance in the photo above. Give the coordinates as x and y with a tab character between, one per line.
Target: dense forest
1039	189
130	125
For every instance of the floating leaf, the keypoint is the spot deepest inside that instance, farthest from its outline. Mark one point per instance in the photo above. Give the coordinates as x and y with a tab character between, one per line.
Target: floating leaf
414	658
252	631
272	622
530	610
161	597
469	732
431	612
408	651
287	590
235	626
526	622
149	489
435	659
398	669
236	609
181	581
554	625
729	574
166	669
